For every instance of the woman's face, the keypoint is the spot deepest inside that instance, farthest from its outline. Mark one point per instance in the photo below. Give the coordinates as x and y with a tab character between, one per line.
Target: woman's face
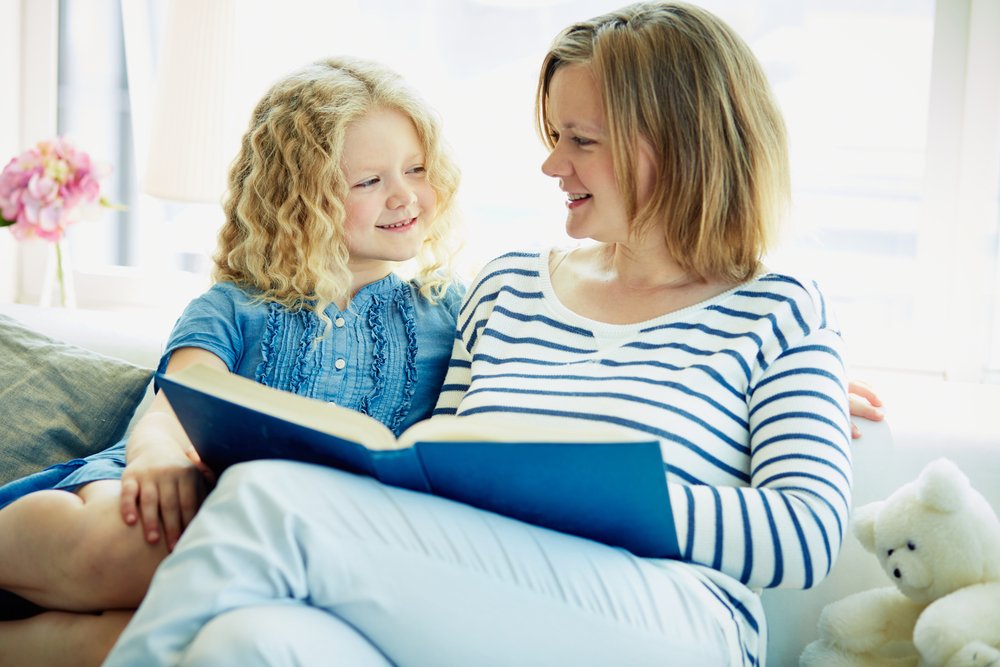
582	159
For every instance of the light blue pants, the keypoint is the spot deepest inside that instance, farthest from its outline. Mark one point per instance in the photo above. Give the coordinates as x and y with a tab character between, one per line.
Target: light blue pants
292	564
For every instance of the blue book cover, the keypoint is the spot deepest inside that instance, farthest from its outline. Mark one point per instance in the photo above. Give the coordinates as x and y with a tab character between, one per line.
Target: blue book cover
605	486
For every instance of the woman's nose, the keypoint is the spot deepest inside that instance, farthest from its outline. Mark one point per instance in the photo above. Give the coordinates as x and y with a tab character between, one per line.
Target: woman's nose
555	164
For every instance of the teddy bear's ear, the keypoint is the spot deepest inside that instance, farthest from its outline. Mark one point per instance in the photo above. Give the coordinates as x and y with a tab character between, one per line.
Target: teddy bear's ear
942	486
863	524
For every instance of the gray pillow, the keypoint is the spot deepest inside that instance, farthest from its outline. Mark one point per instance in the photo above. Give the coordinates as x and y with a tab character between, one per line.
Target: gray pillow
58	401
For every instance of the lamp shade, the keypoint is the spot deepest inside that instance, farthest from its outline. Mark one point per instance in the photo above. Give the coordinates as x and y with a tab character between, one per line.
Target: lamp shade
194	133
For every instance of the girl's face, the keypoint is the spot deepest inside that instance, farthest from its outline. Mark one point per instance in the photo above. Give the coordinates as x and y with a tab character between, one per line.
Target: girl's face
390	204
582	159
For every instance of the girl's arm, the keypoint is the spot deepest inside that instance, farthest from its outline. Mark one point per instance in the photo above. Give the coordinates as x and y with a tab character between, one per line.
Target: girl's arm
164	479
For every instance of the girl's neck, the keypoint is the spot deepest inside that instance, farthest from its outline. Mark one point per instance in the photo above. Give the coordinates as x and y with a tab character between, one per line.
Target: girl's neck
366	273
361	277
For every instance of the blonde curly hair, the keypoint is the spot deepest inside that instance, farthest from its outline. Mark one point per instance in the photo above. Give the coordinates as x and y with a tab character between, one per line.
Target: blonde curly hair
283	238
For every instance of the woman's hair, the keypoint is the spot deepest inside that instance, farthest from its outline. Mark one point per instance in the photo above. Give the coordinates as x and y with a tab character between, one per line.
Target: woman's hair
284	231
680	80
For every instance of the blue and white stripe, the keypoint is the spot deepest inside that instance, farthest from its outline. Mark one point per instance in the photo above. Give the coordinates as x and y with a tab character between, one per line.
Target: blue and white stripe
746	393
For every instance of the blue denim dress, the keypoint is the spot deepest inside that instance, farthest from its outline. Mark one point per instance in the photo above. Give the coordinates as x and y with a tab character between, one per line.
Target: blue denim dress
385	356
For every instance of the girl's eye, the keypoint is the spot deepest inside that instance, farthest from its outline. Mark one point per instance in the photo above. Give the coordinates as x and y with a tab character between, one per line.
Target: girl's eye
367	184
418	170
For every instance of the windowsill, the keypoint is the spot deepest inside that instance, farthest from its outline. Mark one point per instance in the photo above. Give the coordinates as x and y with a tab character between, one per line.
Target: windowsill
120	288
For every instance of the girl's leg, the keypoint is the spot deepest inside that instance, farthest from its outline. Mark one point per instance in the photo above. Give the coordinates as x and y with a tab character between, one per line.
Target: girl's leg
281	634
83	639
73	552
427	581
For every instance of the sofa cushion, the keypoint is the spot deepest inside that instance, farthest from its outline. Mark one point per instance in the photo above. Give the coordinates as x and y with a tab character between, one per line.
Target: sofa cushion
58	401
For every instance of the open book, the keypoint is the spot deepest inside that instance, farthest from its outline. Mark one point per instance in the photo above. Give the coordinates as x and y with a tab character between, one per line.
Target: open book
600	483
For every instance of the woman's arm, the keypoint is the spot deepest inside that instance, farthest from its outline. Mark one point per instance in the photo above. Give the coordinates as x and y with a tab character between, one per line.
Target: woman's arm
788	526
456	382
459	376
164	479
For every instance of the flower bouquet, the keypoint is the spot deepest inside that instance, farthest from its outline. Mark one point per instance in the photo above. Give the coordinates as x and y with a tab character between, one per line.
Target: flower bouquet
48	188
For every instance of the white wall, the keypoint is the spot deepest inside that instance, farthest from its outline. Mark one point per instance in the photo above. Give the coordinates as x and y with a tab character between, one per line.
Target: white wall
39	101
10	122
29	32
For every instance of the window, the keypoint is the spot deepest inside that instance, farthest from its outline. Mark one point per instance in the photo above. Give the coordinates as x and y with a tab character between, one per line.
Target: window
154	253
893	109
94	109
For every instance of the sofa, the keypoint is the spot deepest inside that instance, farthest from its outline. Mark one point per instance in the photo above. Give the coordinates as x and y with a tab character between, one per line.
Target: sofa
925	420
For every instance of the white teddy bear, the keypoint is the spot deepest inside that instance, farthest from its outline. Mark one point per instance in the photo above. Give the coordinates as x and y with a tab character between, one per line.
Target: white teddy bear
939	541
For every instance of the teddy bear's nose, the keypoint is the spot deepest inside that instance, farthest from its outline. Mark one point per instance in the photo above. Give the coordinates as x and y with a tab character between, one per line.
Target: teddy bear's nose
896	573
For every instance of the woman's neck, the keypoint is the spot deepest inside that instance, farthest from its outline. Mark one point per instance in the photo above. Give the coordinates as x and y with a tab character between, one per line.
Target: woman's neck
620	284
642	268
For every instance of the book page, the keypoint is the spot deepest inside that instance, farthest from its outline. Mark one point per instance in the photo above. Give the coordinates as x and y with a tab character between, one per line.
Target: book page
490	428
311	413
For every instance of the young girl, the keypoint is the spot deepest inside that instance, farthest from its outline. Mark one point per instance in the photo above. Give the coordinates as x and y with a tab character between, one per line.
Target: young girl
341	176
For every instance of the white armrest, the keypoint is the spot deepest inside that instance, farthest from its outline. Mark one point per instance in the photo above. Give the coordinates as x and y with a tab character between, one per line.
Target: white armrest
925	420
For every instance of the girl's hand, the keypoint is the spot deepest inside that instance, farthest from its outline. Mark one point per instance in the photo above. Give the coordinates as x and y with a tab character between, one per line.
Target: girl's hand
165	481
163	492
864	402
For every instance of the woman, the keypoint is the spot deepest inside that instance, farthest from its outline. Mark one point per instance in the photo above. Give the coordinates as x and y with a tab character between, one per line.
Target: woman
664	134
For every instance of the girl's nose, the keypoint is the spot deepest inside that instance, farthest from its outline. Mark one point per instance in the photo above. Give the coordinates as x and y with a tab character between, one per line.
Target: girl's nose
401	196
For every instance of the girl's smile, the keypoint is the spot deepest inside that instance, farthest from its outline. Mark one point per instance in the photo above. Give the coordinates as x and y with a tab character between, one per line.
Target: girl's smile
401	225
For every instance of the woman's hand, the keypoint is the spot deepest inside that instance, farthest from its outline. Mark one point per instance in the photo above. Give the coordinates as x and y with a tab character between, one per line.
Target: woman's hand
864	402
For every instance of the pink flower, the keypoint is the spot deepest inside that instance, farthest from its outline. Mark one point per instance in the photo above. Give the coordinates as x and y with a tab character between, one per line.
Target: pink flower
48	188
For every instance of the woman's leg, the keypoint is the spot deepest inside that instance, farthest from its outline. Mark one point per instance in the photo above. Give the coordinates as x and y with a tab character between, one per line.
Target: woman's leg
281	634
73	551
427	581
83	640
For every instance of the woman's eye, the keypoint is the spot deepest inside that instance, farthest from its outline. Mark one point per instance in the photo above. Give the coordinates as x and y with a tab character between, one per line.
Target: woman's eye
554	136
580	141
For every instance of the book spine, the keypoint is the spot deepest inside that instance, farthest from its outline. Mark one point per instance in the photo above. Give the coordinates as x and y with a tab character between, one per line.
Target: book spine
402	468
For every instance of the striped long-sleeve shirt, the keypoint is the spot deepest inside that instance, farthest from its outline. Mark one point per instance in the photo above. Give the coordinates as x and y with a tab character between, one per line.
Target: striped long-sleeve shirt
746	393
